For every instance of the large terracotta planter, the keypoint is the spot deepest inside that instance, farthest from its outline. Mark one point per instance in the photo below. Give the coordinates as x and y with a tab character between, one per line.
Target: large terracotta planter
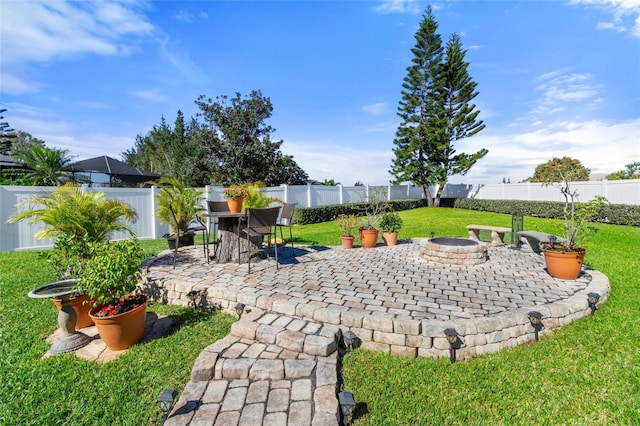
82	305
564	266
347	241
368	237
121	331
390	238
235	204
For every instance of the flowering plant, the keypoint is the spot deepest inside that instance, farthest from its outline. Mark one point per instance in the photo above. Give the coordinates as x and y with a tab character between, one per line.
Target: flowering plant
235	191
348	223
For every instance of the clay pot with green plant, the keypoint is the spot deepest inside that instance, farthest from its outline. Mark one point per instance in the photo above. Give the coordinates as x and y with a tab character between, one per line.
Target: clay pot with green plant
374	208
348	224
564	259
390	224
110	277
75	217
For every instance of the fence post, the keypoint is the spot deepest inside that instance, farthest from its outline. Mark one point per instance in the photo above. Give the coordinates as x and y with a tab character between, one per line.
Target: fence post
309	195
341	193
389	193
286	192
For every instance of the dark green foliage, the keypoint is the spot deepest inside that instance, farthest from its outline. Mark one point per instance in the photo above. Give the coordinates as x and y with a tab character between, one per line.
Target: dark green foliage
175	152
616	214
308	215
239	140
436	110
559	169
631	171
7	135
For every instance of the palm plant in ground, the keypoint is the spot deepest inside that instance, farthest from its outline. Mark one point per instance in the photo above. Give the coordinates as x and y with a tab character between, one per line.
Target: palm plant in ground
185	202
74	218
46	166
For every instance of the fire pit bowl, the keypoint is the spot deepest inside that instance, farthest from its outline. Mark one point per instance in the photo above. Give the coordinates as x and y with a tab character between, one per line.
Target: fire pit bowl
454	251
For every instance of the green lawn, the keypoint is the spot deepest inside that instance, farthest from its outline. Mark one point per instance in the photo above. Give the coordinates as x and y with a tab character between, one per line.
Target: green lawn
585	373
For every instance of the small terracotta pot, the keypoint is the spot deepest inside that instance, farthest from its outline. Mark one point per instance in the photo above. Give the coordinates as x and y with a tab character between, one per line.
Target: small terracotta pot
368	237
121	331
564	266
390	238
235	204
82	309
347	242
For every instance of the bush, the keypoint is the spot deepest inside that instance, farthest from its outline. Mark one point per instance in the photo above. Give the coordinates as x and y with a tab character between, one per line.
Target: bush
616	214
308	215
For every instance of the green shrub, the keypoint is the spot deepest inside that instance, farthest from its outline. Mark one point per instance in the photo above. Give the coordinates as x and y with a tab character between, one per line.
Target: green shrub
308	215
616	214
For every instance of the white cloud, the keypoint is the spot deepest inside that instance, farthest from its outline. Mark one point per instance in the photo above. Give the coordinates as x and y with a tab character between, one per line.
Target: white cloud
149	95
378	108
558	88
620	10
398	6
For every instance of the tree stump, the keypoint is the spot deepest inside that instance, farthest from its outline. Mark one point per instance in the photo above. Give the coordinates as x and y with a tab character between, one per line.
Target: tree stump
227	250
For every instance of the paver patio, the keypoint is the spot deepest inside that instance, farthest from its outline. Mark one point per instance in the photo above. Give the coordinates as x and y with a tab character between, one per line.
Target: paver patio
277	366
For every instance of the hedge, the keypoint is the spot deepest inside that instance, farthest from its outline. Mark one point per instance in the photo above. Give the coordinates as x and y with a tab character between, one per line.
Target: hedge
617	214
307	215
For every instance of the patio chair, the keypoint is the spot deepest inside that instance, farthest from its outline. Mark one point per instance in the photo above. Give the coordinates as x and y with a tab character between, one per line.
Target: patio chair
286	219
198	228
214	207
261	223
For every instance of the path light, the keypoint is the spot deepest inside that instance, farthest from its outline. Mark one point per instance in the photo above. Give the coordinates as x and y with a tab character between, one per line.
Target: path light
192	295
166	400
240	309
347	405
593	299
453	338
349	339
535	318
433	234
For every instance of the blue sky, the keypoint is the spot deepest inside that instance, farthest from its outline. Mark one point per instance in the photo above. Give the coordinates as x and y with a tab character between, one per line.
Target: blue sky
555	78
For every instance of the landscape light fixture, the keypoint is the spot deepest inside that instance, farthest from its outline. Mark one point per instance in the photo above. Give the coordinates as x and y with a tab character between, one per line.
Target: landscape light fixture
593	299
347	405
349	339
433	234
453	338
240	309
535	318
192	295
166	400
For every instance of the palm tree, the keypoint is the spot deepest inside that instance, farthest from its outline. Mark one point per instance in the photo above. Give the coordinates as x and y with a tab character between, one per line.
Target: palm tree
46	166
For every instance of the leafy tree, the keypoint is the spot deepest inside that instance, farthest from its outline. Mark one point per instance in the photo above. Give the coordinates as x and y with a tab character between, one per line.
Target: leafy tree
23	141
45	166
7	134
560	169
239	141
329	182
436	111
631	171
175	152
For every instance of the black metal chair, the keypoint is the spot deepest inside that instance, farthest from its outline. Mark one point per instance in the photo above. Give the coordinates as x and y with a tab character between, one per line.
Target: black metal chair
286	219
198	228
214	207
261	223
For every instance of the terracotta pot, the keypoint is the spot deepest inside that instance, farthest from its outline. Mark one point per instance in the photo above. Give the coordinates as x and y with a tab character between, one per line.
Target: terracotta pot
82	309
235	204
368	237
390	238
564	266
121	331
347	242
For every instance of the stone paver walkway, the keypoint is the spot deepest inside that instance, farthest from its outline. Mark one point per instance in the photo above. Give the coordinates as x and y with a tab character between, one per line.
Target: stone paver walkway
277	366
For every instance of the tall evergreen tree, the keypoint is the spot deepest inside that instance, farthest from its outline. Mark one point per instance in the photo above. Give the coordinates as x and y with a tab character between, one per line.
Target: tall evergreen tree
435	112
7	135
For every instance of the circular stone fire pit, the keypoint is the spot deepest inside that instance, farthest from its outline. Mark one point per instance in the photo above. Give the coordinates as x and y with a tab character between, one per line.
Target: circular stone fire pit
455	251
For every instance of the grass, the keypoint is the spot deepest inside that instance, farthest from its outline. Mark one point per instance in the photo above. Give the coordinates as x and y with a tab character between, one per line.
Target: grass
585	373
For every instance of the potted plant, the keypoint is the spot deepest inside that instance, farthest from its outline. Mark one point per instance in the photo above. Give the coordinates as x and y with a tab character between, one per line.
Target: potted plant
348	223
235	195
389	225
186	204
564	259
75	218
111	277
373	209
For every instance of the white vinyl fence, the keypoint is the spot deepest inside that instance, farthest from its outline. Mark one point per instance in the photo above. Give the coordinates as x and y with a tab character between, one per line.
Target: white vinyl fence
20	236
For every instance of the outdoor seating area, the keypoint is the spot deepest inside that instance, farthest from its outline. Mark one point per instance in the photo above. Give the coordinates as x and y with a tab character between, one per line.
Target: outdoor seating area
302	310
